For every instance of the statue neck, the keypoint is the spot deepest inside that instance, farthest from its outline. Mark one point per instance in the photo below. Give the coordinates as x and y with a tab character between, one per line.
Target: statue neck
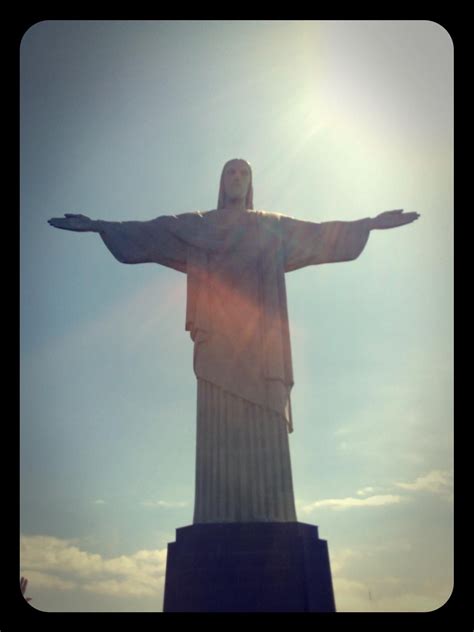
237	205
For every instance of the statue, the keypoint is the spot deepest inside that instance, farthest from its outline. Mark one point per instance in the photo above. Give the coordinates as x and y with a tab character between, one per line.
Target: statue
235	259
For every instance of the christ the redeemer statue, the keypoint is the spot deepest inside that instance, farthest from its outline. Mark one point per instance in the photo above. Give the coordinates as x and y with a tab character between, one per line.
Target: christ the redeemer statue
235	259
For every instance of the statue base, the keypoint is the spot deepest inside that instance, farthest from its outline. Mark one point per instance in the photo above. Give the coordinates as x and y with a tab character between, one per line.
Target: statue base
248	567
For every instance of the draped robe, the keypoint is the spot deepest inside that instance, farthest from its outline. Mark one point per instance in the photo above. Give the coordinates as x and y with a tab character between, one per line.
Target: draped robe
237	317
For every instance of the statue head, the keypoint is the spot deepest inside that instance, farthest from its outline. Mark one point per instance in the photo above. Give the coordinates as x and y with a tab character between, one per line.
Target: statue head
236	183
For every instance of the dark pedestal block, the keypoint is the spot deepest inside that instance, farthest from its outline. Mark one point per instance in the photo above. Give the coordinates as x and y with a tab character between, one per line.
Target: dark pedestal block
248	567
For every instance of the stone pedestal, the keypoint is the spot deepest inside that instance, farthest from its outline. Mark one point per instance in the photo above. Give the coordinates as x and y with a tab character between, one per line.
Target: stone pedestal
248	567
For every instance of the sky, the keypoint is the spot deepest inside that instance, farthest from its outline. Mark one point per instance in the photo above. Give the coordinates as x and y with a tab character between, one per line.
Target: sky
340	120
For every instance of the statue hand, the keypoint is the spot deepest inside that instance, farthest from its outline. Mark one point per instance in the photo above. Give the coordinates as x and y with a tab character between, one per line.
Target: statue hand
392	219
80	223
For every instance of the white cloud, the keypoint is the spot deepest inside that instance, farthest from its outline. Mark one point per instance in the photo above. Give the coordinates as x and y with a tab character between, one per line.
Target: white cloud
351	596
435	482
45	553
346	503
340	558
99	501
52	563
167	504
388	594
360	584
37	579
409	602
365	490
55	565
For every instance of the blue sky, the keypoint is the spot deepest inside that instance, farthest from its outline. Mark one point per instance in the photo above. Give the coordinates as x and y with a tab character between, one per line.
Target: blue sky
134	119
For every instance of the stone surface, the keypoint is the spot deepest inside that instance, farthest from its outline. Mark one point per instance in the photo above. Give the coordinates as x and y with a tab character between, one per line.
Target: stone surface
243	466
248	567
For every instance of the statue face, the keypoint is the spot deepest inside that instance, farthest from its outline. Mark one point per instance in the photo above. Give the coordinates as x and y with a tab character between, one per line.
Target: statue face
236	180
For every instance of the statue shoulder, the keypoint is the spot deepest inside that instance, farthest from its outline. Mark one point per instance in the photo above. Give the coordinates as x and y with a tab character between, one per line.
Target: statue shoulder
204	215
270	216
191	216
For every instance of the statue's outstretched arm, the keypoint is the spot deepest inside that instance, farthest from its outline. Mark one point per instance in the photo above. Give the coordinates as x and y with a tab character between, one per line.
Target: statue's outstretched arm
76	222
152	241
310	243
392	219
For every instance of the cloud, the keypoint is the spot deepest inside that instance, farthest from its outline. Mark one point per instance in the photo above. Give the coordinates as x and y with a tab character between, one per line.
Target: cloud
351	595
361	585
346	503
365	490
388	594
340	558
45	553
435	482
37	579
173	504
99	501
53	563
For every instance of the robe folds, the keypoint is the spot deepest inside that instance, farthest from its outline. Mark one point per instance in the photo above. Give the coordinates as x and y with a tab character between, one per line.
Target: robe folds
237	317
